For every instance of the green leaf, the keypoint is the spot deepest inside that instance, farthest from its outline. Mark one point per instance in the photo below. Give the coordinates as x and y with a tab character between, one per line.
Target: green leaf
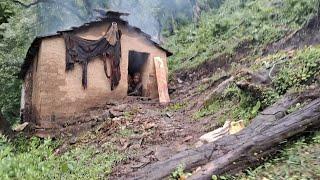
64	167
256	108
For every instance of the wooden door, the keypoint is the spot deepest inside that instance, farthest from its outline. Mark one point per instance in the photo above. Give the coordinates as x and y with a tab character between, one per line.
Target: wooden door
162	82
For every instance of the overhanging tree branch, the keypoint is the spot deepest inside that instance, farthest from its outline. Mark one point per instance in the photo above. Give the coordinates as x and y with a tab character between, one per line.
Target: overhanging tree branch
30	4
64	5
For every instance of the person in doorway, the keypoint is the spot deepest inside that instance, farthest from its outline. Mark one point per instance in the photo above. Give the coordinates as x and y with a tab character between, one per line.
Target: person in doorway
135	86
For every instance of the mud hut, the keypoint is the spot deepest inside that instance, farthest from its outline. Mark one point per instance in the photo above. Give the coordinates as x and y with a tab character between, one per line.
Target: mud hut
87	66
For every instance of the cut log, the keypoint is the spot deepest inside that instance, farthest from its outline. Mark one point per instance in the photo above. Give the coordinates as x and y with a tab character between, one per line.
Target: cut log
251	150
247	148
216	134
228	128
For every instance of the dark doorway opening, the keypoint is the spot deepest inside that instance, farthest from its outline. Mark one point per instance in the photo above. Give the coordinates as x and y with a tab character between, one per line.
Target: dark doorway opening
137	72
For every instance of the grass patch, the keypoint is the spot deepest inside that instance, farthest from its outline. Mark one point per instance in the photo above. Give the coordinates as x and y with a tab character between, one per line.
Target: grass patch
235	105
177	106
237	24
297	69
299	160
179	173
125	132
34	159
306	65
212	108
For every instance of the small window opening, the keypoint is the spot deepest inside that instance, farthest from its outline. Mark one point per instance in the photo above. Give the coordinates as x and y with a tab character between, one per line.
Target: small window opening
137	72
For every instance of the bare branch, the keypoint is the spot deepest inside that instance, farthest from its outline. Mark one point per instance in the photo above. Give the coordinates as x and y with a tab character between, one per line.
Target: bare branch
36	2
30	4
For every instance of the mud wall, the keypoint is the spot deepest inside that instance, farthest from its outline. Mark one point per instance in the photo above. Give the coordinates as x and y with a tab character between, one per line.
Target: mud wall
26	107
58	94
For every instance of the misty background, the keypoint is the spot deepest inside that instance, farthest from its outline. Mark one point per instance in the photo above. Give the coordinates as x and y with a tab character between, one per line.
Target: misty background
153	17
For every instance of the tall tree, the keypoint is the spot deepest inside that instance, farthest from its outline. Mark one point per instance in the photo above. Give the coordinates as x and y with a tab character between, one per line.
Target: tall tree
196	10
9	91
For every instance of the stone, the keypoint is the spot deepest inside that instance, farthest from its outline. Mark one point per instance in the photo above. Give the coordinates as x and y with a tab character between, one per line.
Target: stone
115	113
179	81
169	115
73	140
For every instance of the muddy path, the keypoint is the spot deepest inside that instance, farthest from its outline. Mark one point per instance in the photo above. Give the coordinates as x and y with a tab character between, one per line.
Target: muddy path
162	131
142	130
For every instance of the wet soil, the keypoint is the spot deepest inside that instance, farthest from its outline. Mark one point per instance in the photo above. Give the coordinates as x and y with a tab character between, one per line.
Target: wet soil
147	132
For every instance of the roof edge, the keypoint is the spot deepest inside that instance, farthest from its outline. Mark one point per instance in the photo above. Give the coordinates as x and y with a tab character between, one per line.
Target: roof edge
35	45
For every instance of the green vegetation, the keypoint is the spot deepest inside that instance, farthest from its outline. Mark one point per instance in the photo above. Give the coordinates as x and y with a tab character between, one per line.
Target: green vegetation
35	159
15	36
179	173
176	106
235	25
124	132
225	27
298	69
299	160
306	65
233	105
5	12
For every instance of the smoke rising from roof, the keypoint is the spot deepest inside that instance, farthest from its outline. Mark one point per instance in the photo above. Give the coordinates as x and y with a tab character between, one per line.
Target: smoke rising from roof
149	15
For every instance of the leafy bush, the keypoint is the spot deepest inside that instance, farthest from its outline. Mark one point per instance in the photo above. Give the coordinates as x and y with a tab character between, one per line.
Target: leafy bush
299	11
248	106
15	35
5	12
9	91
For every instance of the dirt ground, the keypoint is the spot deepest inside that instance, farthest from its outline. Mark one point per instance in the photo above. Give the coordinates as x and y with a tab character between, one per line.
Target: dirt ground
147	132
143	130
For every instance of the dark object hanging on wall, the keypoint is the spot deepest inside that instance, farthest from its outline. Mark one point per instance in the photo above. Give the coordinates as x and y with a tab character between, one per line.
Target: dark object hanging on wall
82	51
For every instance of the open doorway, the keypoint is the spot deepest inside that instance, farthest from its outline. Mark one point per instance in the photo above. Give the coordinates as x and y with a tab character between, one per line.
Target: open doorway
137	73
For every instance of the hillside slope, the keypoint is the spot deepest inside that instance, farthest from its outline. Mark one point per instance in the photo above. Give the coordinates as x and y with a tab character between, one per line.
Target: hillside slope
235	43
235	27
253	36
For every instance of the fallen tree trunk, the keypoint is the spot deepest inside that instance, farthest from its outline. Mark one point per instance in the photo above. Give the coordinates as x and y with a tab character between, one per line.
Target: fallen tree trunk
234	153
